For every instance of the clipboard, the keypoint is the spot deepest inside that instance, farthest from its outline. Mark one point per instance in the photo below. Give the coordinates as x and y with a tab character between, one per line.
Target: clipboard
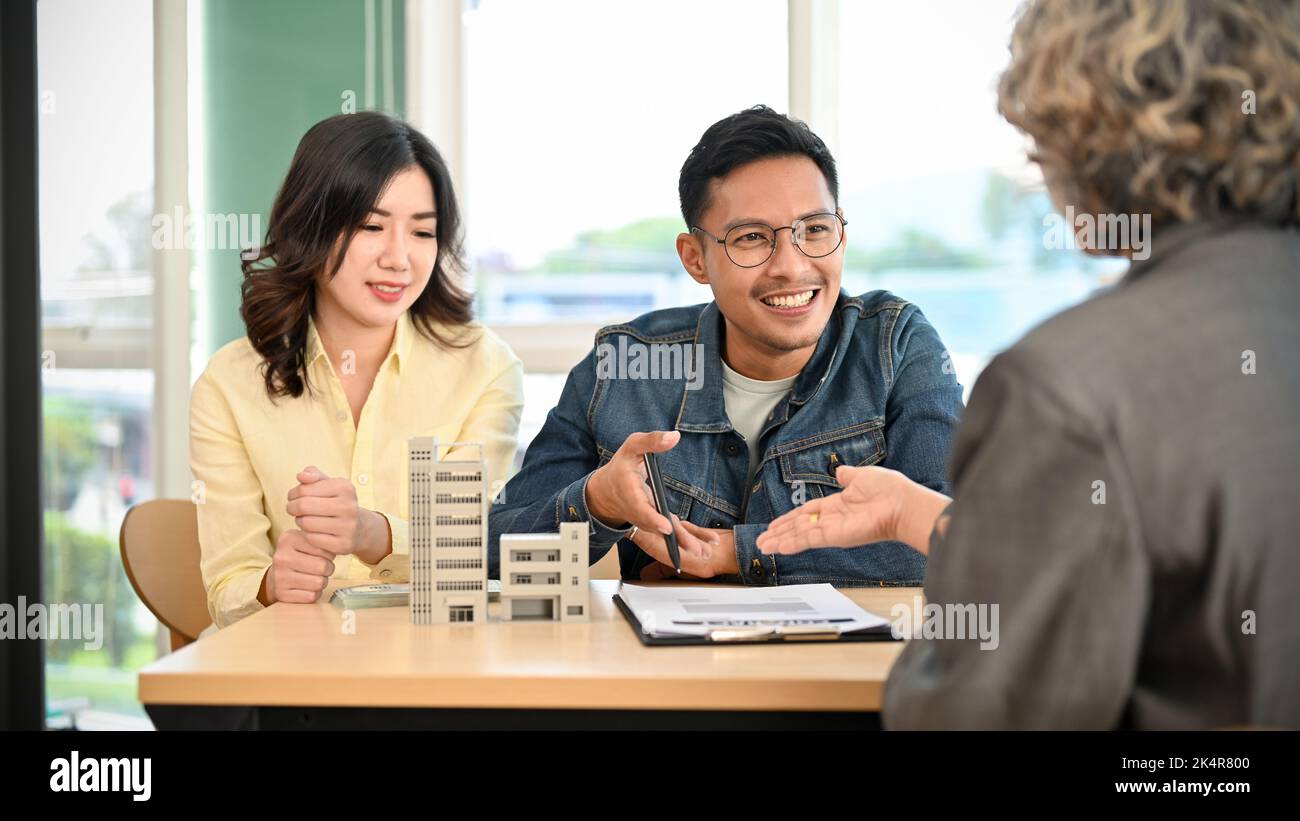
773	634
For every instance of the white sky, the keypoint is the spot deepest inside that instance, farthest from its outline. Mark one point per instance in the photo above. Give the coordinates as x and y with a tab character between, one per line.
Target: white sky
96	59
580	111
918	89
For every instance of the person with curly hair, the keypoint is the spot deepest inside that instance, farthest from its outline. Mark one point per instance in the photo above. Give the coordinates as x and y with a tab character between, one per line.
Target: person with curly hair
1126	476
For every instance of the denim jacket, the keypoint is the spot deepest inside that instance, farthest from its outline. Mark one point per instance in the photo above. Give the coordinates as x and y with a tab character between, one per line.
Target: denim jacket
879	389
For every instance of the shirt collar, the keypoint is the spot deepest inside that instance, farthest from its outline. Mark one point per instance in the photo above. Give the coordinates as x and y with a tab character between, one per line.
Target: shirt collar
401	347
704	410
314	349
400	350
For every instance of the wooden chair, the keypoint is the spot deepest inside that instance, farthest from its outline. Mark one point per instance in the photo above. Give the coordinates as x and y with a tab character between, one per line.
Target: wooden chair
160	551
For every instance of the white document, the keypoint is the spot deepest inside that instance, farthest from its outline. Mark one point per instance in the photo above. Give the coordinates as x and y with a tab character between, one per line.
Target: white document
702	611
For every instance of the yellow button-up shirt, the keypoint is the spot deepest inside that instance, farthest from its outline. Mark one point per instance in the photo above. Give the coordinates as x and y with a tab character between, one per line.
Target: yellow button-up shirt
246	450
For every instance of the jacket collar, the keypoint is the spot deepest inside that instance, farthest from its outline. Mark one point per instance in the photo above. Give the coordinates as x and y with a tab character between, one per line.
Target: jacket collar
704	410
1175	239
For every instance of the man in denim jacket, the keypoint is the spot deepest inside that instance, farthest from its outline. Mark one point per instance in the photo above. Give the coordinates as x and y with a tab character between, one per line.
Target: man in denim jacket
750	401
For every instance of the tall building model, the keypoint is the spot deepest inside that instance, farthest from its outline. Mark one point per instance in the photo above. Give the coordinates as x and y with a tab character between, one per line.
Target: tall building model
448	531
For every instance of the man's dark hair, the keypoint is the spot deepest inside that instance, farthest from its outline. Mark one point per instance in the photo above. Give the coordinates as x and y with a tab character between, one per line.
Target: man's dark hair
753	134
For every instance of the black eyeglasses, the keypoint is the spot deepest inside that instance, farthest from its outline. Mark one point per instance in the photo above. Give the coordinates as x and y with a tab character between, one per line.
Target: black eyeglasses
752	244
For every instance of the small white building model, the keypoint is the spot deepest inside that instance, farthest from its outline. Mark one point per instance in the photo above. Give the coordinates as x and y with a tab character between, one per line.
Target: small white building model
448	531
544	575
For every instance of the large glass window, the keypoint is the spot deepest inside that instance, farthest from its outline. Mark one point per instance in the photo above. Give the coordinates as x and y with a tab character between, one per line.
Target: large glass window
580	115
96	171
943	208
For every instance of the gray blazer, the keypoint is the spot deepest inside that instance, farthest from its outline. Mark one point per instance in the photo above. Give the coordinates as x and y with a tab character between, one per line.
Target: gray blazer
1127	485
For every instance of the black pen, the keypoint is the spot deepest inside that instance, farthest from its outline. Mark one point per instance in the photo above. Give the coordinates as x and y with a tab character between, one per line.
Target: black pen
661	504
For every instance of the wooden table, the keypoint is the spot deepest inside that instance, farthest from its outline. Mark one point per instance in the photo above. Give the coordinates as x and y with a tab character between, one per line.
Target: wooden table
295	666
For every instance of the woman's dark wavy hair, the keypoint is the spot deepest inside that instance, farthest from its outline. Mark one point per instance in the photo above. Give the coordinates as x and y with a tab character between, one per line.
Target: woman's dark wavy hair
340	170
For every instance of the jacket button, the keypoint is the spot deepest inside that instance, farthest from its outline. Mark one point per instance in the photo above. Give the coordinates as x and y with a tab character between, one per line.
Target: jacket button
573	513
731	449
756	567
717	524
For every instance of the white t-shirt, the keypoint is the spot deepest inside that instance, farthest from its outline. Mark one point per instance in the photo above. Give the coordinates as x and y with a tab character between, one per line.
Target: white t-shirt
748	402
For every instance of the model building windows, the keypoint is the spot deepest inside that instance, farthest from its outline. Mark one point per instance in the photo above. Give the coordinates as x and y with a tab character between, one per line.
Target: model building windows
446	541
528	593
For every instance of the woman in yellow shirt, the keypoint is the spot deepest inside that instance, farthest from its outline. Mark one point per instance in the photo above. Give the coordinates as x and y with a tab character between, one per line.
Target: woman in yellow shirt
359	337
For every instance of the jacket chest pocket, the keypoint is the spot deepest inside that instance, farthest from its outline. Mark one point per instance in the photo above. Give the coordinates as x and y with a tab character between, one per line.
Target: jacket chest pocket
813	461
677	492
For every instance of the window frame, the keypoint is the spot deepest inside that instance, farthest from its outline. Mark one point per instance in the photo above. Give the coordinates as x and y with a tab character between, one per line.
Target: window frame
437	105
